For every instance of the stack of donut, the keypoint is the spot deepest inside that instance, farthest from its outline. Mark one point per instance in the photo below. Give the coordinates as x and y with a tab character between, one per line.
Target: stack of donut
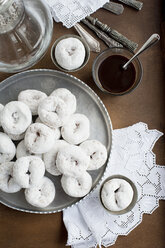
56	142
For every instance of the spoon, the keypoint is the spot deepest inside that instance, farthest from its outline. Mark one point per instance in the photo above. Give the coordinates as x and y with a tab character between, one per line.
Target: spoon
154	38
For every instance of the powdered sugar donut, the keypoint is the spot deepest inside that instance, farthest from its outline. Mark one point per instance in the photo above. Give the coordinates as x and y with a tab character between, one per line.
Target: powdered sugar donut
117	194
50	157
77	186
7	182
23	152
15	117
42	194
67	97
53	111
70	53
57	131
39	138
32	98
72	160
28	171
97	153
16	137
77	129
1	108
7	148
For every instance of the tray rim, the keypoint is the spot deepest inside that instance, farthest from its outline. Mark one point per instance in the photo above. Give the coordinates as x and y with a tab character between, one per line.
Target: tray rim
6	82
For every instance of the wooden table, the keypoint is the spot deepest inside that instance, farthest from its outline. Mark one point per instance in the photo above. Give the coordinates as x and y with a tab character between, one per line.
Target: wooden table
145	104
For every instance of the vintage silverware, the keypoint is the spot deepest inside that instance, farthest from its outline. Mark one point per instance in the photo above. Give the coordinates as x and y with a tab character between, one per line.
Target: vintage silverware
113	34
133	3
115	8
150	42
93	44
102	35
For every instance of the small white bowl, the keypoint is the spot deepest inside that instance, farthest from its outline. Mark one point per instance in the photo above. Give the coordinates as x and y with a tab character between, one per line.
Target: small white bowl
134	199
87	52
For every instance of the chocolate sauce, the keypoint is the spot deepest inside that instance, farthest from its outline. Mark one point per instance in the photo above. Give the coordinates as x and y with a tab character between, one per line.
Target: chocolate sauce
113	77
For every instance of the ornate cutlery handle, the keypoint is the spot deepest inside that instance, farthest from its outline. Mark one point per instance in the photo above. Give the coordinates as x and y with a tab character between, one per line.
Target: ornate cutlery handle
114	34
90	40
115	8
133	3
103	36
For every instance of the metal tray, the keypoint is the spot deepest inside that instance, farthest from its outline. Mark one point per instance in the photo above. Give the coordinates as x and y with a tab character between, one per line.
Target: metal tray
88	103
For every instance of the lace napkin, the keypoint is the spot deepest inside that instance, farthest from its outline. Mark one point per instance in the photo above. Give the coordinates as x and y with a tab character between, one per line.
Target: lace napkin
69	12
88	223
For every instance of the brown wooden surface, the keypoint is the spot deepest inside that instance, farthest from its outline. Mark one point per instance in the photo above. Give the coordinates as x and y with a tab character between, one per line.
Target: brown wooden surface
146	104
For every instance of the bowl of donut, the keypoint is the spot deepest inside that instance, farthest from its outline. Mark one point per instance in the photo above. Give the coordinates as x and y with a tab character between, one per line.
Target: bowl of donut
118	194
70	53
43	134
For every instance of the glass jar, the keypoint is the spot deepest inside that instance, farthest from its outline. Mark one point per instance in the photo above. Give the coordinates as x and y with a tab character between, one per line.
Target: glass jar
25	33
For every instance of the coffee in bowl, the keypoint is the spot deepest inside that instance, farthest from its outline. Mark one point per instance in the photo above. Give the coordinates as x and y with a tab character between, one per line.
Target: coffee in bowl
109	75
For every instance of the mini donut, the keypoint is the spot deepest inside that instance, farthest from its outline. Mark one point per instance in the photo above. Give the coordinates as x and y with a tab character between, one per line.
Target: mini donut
16	137
57	131
7	182
117	194
67	97
32	98
70	53
28	171
39	138
77	186
1	108
53	111
72	160
41	195
50	157
15	117
23	152
76	130
7	148
97	153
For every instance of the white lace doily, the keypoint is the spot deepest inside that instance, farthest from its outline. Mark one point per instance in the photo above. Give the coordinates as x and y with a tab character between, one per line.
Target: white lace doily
88	223
69	12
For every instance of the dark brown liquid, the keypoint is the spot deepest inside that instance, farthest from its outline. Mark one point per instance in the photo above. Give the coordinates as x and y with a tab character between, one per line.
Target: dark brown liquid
113	77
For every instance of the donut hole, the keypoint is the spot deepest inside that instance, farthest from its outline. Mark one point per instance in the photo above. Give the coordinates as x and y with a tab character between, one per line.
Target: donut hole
55	158
56	109
28	172
76	162
92	155
15	116
36	98
10	177
38	134
71	50
117	190
73	161
76	127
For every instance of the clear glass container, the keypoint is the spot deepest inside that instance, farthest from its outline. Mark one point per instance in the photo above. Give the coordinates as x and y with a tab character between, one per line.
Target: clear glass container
25	33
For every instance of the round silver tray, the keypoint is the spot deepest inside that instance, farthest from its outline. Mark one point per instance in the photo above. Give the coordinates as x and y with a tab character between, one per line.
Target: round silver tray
88	103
